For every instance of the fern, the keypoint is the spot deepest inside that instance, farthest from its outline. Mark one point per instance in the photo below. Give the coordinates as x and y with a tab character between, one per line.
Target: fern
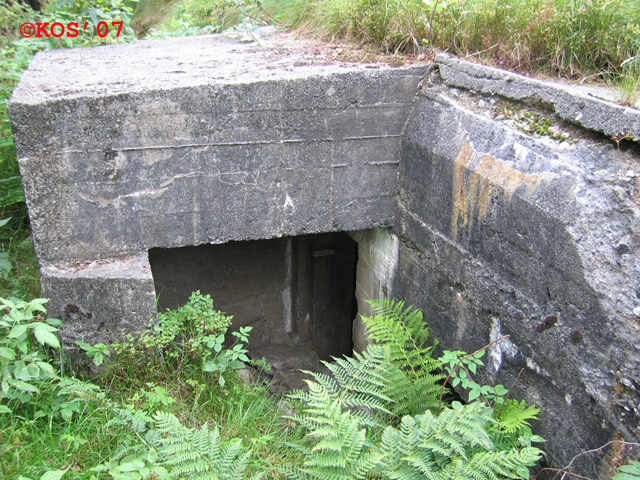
338	409
455	444
163	441
404	331
357	383
493	465
376	415
413	383
342	450
199	454
409	395
512	415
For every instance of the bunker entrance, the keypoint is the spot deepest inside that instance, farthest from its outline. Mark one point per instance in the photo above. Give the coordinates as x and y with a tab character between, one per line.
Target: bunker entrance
298	293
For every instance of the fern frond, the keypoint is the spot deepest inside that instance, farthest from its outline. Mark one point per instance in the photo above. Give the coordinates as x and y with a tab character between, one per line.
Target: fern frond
342	451
405	333
336	413
453	445
495	465
198	454
424	442
357	384
514	415
153	438
78	388
402	329
410	396
124	449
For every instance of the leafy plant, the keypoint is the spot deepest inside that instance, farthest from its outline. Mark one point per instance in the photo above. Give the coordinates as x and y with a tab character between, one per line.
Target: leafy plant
141	465
60	402
155	398
29	381
233	358
15	54
96	352
413	373
63	429
511	416
630	471
23	360
190	334
353	434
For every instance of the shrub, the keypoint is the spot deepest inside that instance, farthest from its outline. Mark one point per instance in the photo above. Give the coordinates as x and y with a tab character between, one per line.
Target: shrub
186	335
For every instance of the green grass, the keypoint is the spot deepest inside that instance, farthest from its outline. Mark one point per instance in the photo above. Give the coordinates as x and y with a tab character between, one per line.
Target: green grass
31	446
567	38
597	40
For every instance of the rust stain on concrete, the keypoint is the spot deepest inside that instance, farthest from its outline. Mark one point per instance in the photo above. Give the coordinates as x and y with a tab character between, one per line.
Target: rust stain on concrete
475	178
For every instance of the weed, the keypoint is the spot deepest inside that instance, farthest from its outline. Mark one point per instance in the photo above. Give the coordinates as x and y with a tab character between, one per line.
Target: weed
97	352
529	121
191	335
24	364
622	136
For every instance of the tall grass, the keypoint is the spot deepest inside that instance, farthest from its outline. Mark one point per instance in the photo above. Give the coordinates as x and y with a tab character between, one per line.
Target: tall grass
568	38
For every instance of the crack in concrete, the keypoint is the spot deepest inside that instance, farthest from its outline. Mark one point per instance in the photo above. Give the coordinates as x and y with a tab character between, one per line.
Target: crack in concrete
150	192
236	144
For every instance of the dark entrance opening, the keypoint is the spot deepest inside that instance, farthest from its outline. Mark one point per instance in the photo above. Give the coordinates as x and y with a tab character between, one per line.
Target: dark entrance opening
297	292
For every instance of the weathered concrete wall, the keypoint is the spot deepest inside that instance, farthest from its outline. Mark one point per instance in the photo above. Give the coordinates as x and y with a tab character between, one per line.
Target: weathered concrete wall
100	301
490	230
224	141
503	234
174	159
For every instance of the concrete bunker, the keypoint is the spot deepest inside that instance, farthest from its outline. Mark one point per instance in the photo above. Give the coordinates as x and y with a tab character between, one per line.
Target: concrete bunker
487	229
